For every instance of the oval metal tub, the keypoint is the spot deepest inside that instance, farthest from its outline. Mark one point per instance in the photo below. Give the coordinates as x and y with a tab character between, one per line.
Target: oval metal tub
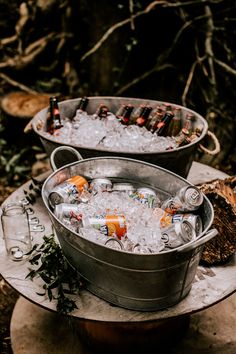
134	281
178	160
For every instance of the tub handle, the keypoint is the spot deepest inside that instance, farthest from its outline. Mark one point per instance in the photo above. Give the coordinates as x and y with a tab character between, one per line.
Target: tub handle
64	155
207	237
216	150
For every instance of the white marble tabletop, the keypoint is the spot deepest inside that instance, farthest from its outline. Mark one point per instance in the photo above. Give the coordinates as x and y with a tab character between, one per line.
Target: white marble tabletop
211	285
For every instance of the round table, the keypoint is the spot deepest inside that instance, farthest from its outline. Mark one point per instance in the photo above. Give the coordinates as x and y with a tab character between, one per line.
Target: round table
97	318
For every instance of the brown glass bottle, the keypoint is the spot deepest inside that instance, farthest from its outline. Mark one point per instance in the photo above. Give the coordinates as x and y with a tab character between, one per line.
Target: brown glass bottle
120	110
136	113
162	127
154	118
188	123
175	124
167	107
53	121
83	103
142	119
124	117
102	111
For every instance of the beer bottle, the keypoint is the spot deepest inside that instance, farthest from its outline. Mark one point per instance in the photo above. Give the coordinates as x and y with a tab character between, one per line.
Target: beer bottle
102	111
83	104
120	111
126	114
188	124
163	125
142	119
182	138
53	117
175	124
136	113
154	118
167	107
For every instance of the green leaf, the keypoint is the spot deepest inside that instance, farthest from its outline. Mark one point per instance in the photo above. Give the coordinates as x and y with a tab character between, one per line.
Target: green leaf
56	273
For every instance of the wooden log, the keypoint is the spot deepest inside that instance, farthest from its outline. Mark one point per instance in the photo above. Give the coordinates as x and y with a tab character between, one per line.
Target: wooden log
222	194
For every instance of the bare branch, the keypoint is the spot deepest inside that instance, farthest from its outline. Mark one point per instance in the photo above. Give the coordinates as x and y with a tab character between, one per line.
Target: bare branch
225	66
8	40
118	25
188	82
149	8
131	10
30	53
142	77
17	84
208	44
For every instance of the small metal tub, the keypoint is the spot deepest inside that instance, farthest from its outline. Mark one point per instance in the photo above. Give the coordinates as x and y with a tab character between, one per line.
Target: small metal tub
178	160
134	281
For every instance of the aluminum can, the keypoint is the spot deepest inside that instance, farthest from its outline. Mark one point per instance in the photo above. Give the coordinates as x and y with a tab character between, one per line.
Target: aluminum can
100	185
123	187
146	196
178	234
195	220
114	243
187	199
68	191
68	211
109	225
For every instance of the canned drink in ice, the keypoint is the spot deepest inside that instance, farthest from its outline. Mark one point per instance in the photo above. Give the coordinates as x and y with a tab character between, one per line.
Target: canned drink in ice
68	211
100	185
195	220
178	234
114	243
109	225
146	196
187	199
68	191
123	187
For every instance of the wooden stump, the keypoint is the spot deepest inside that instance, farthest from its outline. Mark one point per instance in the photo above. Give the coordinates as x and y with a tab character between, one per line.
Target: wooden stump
222	194
24	105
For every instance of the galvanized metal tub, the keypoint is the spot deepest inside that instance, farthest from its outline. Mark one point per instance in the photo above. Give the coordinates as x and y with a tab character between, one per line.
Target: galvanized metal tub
178	160
134	281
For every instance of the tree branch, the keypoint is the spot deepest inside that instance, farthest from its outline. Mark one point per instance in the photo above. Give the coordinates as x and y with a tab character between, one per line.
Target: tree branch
17	84
142	77
208	44
225	66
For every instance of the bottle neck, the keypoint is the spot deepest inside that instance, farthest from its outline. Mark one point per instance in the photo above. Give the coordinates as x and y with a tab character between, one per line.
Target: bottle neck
83	104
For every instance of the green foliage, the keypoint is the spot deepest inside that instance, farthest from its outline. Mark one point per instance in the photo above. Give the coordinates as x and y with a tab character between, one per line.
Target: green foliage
16	157
59	278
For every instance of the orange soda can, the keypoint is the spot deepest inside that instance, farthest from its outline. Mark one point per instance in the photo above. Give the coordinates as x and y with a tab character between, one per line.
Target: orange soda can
109	225
68	191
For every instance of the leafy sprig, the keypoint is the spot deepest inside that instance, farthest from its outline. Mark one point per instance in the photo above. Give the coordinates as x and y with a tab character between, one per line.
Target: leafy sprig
59	278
